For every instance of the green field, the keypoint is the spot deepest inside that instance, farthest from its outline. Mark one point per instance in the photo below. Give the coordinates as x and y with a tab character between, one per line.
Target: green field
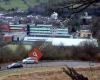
14	47
20	4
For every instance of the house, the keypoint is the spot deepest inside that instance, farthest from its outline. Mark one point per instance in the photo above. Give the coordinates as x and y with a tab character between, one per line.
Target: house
5	28
85	34
13	32
7	38
18	32
86	19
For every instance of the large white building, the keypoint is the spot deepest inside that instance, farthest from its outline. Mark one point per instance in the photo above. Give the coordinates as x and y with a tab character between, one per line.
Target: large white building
47	31
56	36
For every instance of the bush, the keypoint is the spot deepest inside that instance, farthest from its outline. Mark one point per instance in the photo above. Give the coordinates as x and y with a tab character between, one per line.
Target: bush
86	52
56	53
50	52
83	52
7	55
20	52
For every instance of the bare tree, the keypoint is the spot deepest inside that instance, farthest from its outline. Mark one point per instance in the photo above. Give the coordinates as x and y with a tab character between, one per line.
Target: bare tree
73	6
73	74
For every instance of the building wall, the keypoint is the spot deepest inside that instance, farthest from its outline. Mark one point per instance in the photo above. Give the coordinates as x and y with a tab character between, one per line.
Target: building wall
18	36
62	41
7	39
5	28
48	31
85	34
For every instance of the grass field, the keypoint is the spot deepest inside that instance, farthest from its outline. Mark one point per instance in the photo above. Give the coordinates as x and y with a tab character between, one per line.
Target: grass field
4	74
13	47
20	4
47	73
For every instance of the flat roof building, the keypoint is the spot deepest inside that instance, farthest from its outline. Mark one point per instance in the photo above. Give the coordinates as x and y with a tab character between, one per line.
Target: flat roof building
47	31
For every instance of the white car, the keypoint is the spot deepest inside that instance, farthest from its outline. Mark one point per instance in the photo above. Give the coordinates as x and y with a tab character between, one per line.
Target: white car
14	65
29	60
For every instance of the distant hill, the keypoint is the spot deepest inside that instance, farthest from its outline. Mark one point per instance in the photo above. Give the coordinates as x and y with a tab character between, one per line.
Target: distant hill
22	4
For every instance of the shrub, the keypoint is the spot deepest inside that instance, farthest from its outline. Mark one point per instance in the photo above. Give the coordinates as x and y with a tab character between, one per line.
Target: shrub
50	52
20	52
86	52
7	55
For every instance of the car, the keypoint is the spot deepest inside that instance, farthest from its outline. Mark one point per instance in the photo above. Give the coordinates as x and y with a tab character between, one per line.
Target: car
29	60
15	65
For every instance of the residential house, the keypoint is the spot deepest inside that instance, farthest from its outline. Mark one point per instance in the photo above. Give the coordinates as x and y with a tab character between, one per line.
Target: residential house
85	34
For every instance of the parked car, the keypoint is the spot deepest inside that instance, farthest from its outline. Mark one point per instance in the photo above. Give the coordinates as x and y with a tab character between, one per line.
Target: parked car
29	60
15	65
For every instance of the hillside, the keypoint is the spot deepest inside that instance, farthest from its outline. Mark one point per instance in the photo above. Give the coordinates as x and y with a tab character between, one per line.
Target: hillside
22	4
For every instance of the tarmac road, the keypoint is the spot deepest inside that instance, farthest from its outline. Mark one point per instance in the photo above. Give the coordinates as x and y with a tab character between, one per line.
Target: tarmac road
74	64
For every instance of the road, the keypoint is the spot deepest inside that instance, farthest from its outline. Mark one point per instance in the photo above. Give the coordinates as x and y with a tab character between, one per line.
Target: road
74	64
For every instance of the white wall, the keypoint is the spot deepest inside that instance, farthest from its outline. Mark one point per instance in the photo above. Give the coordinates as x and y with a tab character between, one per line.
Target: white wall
62	41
